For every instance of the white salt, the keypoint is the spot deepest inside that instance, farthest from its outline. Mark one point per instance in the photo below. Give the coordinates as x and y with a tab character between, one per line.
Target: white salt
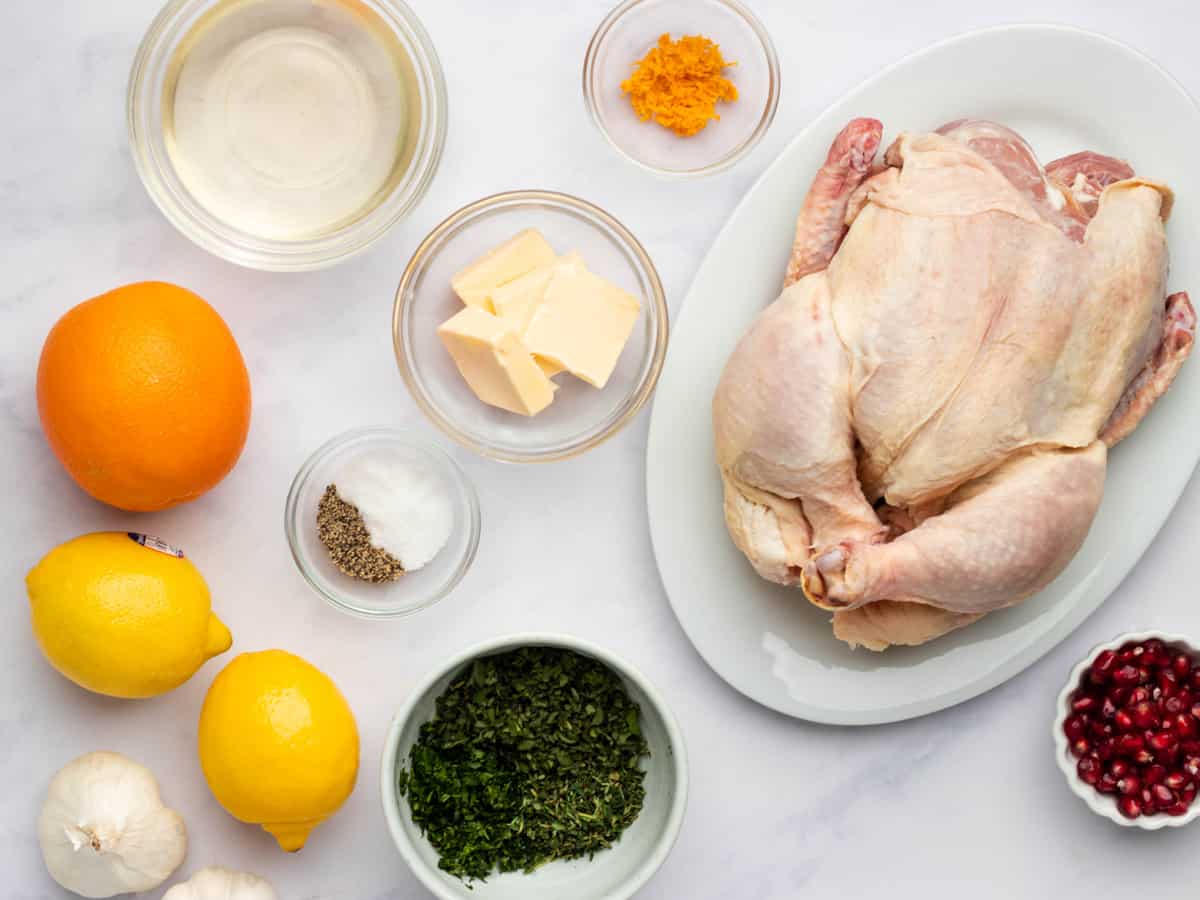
402	503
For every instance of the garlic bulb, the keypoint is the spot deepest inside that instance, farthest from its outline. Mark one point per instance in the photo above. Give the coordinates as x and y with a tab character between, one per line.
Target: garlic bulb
215	883
104	830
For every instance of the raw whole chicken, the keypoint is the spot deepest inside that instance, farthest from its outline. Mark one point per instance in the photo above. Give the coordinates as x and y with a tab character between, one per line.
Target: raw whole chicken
916	432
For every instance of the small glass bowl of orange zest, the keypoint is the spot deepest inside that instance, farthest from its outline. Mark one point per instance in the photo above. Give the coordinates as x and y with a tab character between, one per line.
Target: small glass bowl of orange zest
684	142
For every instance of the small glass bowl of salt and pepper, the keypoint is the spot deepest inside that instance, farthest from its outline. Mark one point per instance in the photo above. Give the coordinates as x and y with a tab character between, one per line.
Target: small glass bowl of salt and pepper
382	523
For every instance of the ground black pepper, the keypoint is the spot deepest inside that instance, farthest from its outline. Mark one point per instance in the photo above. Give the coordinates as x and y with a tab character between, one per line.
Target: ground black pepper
341	529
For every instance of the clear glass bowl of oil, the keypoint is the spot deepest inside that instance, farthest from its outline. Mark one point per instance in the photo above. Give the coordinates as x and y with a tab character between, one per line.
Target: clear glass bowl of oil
286	134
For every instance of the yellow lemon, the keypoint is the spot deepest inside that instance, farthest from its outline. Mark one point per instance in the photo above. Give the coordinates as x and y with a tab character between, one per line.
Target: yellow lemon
278	744
122	614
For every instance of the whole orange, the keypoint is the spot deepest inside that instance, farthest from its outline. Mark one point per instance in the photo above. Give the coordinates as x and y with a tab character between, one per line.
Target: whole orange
144	396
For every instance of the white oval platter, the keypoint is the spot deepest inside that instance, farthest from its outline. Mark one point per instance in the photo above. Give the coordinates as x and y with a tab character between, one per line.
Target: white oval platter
1064	90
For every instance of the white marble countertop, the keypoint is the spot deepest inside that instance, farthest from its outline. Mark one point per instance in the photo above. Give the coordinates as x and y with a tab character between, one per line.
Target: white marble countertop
968	798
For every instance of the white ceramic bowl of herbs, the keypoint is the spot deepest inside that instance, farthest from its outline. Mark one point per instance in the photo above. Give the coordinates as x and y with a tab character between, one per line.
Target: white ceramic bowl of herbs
615	873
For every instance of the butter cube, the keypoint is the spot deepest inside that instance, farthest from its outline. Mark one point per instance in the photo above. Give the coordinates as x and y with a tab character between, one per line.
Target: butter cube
521	253
515	302
495	363
582	324
549	367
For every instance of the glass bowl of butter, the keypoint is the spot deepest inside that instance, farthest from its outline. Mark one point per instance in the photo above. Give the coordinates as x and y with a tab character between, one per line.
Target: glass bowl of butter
286	135
530	326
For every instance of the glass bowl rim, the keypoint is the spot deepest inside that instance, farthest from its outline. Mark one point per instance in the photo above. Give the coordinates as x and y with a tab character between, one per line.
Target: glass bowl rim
291	524
733	156
632	405
266	254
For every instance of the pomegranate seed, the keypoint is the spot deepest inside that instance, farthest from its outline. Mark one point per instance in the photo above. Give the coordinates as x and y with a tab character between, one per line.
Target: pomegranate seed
1175	780
1144	716
1107	784
1074	728
1163	740
1104	750
1168	757
1102	668
1121	695
1181	666
1184	725
1196	711
1195	679
1084	703
1126	675
1154	645
1144	757
1167	683
1129	785
1108	709
1123	721
1130	744
1188	794
1130	807
1129	653
1173	705
1138	695
1176	809
1105	659
1163	795
1119	768
1154	774
1190	747
1081	747
1191	765
1088	769
1099	730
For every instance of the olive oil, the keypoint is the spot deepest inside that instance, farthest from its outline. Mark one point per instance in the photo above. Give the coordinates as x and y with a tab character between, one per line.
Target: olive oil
290	119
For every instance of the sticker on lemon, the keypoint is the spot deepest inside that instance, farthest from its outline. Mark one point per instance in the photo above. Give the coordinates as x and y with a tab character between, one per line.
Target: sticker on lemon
278	744
123	614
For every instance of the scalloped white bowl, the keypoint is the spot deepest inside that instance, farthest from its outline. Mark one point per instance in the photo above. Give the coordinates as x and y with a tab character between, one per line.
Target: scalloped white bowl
1102	804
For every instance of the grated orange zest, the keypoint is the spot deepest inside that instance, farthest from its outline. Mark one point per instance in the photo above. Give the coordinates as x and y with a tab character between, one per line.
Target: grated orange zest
679	83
